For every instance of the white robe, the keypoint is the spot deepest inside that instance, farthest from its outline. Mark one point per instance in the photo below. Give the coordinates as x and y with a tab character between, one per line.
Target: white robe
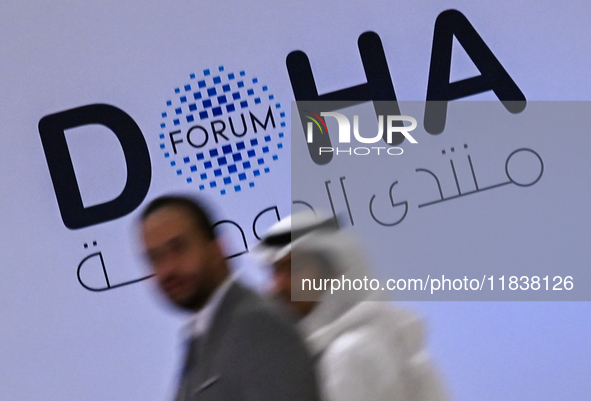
367	349
375	351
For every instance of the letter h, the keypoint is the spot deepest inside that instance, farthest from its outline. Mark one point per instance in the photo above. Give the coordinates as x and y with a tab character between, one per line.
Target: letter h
379	87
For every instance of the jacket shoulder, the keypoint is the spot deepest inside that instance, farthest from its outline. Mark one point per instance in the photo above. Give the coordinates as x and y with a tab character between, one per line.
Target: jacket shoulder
262	352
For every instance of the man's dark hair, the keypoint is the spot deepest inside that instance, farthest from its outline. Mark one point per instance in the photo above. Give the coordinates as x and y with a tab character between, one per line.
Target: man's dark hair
198	212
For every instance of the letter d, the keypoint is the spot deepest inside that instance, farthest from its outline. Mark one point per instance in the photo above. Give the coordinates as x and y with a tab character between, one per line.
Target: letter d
137	159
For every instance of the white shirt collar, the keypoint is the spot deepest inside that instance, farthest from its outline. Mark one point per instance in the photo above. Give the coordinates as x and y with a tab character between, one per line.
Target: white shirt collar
201	321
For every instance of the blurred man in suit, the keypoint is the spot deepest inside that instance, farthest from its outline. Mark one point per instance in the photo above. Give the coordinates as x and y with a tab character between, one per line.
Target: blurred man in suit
239	347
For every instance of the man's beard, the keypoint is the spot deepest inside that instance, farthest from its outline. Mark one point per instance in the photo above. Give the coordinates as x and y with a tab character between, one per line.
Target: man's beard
197	300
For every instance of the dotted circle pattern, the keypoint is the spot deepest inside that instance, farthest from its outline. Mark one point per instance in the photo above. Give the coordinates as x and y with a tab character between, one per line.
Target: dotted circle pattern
229	165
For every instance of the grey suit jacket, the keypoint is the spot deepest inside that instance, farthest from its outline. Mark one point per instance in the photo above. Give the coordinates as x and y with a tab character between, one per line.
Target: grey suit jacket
249	353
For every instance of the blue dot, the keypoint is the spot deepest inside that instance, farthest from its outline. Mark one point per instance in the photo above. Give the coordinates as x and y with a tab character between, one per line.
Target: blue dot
178	111
177	90
237	188
251	153
207	164
163	115
203	115
223	192
192	107
169	103
244	104
206	72
186	160
192	76
179	172
236	95
162	125
227	180
213	184
246	165
203	176
161	136
242	73
217	80
211	92
278	105
239	145
256	173
271	97
213	152
201	187
282	114
183	99
275	157
202	84
222	99
267	169
207	103
162	146
254	142
251	184
222	161
226	88
221	68
282	124
250	92
231	76
240	84
232	169
193	168
255	80
242	176
217	172
173	163
279	145
197	95
227	149
190	118
237	157
261	161
230	108
217	111
265	149
176	122
281	135
265	88
189	180
200	156
268	138
187	88
167	154
257	100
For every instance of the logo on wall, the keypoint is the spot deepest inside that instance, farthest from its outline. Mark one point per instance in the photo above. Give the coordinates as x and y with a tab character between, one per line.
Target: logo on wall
222	130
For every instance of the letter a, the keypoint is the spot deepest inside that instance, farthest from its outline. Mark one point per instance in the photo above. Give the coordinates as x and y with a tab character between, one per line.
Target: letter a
493	76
